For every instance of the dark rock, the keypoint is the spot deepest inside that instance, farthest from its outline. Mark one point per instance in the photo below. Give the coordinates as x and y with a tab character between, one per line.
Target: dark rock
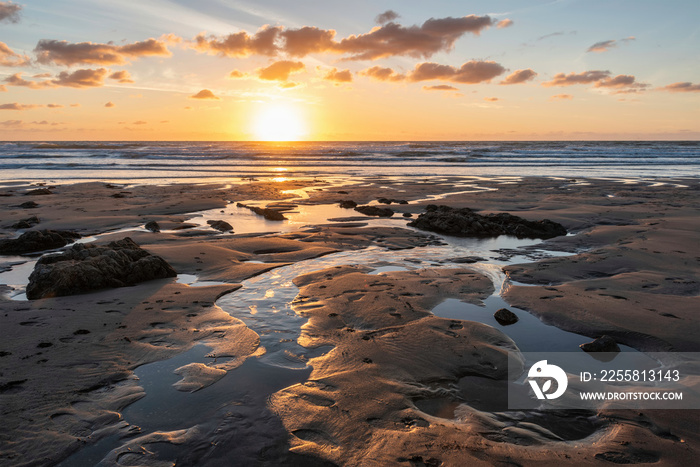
463	222
29	205
6	194
269	214
505	317
221	226
374	211
407	214
384	200
121	194
341	192
602	344
152	226
37	240
467	259
27	223
39	191
347	204
86	267
391	200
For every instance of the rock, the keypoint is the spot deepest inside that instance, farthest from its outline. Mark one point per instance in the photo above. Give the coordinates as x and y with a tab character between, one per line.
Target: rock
391	200
374	211
37	240
27	223
602	344
152	226
86	267
505	317
407	214
269	214
39	191
347	204
121	194
463	222
467	259
341	192
219	225
29	205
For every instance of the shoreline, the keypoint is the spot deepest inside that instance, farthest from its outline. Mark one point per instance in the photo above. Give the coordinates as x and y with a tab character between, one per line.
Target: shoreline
612	239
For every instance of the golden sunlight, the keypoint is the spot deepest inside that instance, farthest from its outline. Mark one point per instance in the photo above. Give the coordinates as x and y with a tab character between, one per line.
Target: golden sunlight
279	122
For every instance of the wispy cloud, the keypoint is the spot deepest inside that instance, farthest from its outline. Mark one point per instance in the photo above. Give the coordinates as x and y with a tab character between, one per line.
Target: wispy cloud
68	54
388	15
681	87
599	79
604	46
519	76
9	58
342	76
9	12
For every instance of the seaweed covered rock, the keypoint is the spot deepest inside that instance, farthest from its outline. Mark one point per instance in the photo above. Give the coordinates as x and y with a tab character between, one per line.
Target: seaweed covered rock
463	222
84	267
37	240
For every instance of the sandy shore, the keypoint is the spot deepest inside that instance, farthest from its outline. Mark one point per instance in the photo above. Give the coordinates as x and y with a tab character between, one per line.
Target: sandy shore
378	391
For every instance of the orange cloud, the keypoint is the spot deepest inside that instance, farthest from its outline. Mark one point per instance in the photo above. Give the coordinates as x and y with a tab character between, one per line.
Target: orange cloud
519	76
388	15
65	53
9	58
9	12
280	71
604	46
681	87
122	76
343	76
504	23
308	40
17	80
561	97
240	44
3	88
236	74
622	84
16	106
491	99
471	72
110	104
382	74
205	94
586	77
85	78
440	87
54	106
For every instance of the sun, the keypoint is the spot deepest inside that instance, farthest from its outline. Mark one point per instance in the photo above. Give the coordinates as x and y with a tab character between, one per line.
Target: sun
279	122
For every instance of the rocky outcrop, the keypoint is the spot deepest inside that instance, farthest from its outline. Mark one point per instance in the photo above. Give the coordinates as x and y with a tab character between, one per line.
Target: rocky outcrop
602	344
269	214
391	200
152	226
39	191
347	204
221	226
463	222
37	240
29	205
84	268
374	211
505	317
27	223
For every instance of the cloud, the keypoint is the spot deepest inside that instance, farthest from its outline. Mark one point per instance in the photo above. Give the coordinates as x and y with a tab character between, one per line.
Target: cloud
491	99
237	74
9	58
17	80
75	105
504	23
621	83
110	104
604	46
586	77
440	87
9	12
84	78
205	94
66	53
54	106
519	76
388	15
382	74
280	71
139	122
561	97
240	44
3	88
681	87
343	76
122	76
390	39
11	123
16	106
471	72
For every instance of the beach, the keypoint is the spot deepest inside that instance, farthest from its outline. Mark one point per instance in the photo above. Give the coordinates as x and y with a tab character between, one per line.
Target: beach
357	369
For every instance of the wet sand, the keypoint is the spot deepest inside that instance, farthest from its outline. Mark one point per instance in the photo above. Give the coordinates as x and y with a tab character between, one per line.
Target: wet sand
394	384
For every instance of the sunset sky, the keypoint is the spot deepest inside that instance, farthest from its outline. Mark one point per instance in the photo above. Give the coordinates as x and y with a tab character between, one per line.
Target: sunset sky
349	70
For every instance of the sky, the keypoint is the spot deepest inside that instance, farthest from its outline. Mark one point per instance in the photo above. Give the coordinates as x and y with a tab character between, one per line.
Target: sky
349	70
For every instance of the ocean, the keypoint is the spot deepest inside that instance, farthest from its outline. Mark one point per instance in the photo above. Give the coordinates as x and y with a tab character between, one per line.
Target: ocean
196	160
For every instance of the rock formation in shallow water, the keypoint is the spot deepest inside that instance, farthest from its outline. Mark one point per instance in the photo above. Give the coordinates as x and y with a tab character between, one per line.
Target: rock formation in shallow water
221	226
463	222
267	213
83	268
374	211
37	240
